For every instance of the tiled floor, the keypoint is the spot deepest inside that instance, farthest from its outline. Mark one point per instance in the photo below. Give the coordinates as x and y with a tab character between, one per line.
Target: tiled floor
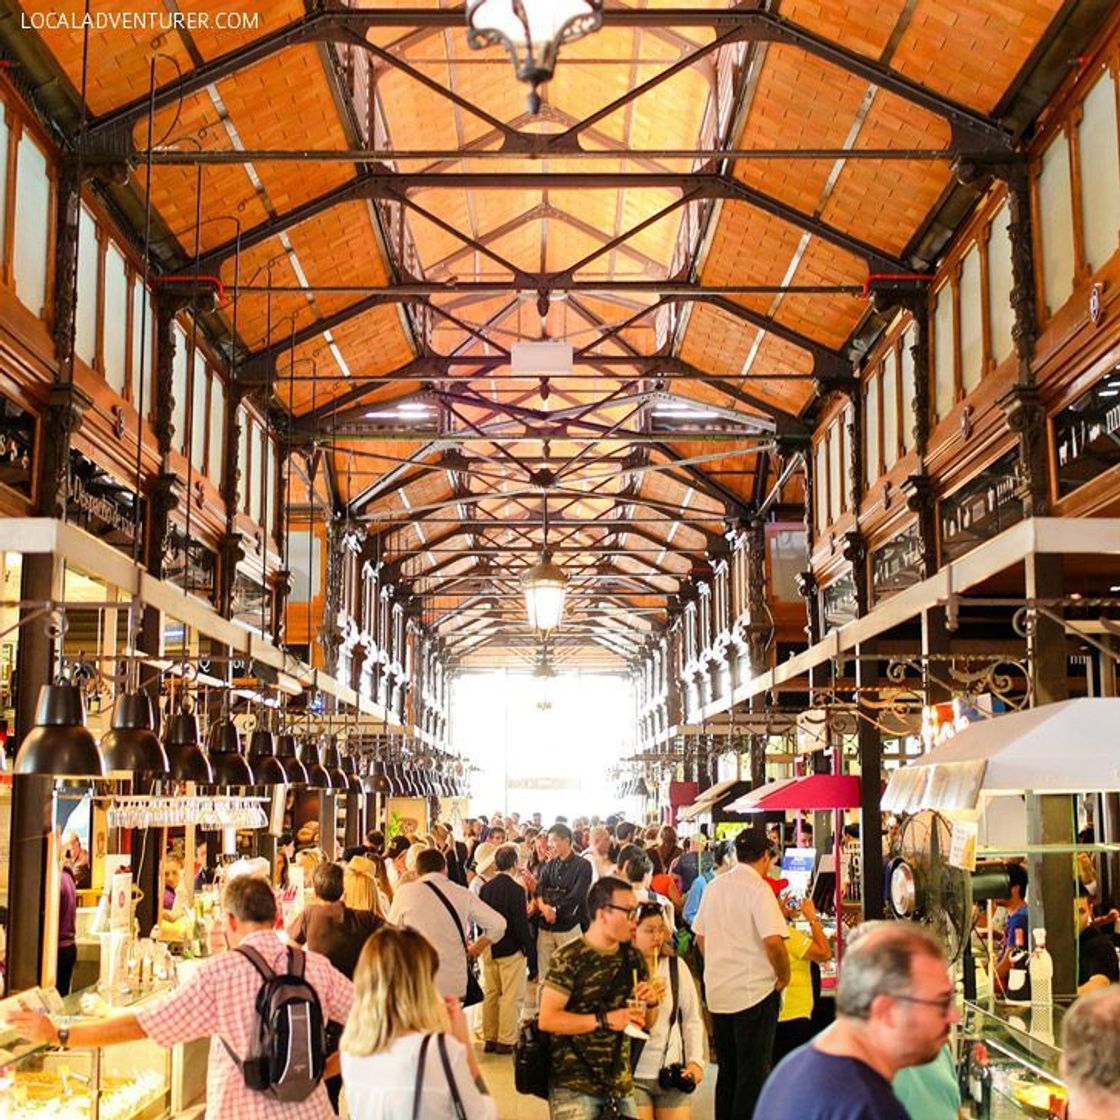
498	1072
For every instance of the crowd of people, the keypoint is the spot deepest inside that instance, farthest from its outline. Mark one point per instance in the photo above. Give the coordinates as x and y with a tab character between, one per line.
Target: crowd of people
639	956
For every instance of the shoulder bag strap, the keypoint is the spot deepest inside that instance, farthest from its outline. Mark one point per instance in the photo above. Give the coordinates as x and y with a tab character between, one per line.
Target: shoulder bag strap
452	911
297	960
418	1090
456	1100
676	1015
261	965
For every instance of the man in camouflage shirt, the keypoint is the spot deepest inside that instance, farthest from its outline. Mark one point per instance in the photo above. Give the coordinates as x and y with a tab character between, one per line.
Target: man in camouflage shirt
584	1007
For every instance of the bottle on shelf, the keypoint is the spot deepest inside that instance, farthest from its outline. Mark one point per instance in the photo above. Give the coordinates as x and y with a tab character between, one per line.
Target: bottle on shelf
1018	984
980	1083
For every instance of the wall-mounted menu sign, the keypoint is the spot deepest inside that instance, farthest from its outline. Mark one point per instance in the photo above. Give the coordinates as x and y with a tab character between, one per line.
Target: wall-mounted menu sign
96	502
981	508
897	564
838	603
1087	434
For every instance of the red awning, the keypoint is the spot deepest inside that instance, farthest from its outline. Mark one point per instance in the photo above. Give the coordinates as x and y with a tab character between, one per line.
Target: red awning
813	792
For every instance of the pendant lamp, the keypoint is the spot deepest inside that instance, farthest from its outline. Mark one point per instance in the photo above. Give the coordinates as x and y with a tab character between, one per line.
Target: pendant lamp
186	760
267	769
286	753
59	745
332	763
544	586
317	777
226	760
375	781
532	31
131	743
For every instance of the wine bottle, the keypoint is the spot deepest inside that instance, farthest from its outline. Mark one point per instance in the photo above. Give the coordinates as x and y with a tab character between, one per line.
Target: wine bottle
980	1084
1018	988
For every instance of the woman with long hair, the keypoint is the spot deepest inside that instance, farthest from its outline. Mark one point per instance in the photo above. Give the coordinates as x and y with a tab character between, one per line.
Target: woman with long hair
402	1038
676	1041
360	890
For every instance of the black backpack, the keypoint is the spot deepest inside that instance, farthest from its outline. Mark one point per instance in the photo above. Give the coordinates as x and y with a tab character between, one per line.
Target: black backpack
289	1052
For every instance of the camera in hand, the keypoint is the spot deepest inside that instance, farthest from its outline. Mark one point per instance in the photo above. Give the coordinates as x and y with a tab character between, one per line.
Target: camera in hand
674	1077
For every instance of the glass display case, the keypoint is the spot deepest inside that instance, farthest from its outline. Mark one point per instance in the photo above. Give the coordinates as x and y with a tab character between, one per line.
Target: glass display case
127	1082
1022	1044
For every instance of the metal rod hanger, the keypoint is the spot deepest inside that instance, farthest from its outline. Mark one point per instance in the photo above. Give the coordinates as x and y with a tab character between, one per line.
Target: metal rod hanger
168	156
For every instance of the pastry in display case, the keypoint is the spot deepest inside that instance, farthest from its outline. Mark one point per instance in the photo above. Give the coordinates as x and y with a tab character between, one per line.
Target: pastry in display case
1022	1056
123	1082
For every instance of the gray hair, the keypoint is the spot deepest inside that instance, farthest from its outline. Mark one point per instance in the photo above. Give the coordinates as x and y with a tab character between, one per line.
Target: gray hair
1091	1042
878	963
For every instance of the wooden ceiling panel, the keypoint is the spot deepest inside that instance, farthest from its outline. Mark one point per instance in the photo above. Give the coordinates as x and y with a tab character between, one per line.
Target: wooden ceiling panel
827	318
750	247
865	28
340	247
213	41
971	50
408	102
885	203
716	342
799	102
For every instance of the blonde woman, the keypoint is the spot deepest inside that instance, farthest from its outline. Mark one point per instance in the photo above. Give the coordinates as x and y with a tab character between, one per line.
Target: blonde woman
402	1039
359	887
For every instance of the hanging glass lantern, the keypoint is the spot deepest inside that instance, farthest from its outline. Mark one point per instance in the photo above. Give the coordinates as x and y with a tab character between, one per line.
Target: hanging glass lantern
532	31
545	586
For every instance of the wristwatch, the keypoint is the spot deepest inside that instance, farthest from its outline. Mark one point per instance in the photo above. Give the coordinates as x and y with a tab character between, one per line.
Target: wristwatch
64	1038
601	1019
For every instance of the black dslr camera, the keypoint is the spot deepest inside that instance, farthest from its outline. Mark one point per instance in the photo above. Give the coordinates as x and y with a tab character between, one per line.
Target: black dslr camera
674	1077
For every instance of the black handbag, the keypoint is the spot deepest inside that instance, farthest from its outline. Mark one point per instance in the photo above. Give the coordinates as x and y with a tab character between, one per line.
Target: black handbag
532	1060
473	993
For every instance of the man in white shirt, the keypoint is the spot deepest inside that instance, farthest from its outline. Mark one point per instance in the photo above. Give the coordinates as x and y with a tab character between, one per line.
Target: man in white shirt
423	905
598	853
741	932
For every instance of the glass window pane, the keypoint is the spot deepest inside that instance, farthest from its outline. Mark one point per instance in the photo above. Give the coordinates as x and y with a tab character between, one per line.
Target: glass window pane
908	390
139	353
243	461
1099	155
835	472
85	314
255	468
1000	282
199	412
32	225
944	389
972	332
217	428
846	425
890	410
116	317
871	428
179	388
4	134
820	485
1055	203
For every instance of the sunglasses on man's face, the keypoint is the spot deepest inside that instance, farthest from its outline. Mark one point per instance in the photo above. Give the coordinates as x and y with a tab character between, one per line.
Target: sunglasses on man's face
631	912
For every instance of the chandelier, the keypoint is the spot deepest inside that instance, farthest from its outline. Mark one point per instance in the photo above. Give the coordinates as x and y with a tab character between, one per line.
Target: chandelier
532	31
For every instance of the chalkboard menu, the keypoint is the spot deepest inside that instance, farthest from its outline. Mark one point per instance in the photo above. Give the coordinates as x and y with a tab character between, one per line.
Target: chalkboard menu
1087	434
981	508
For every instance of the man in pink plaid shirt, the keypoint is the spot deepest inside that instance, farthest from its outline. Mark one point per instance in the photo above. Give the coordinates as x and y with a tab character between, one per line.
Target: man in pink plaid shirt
219	1002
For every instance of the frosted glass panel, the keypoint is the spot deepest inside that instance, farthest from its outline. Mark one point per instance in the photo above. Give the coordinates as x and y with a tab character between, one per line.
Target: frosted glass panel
217	428
890	411
1000	282
305	565
255	468
243	459
4	133
85	335
179	389
139	352
972	331
32	225
1056	210
199	413
871	429
820	485
908	390
115	343
846	425
835	472
944	388
1099	154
